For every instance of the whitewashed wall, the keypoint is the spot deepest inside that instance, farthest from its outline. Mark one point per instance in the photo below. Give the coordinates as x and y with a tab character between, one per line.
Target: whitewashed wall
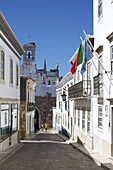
6	90
103	27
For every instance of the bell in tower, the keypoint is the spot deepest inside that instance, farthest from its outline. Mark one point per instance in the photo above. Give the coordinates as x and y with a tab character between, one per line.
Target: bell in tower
30	51
29	59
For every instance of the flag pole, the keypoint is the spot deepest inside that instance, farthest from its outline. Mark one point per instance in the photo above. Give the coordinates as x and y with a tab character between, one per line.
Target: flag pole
92	60
81	39
87	38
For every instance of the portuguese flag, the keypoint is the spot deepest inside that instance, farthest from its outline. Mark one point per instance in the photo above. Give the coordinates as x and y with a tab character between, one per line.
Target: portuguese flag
78	60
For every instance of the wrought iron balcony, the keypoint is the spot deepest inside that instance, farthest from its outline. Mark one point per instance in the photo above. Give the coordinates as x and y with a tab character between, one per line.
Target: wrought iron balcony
81	89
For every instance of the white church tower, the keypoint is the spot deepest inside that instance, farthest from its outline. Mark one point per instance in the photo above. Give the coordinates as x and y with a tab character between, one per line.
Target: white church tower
29	61
46	81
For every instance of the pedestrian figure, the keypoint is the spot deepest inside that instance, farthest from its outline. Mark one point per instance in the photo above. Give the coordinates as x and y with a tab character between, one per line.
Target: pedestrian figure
42	127
46	127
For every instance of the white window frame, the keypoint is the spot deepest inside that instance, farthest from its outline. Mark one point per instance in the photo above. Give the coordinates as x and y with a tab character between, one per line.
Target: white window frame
100	71
88	121
78	118
75	117
17	74
11	71
100	117
83	119
2	66
5	118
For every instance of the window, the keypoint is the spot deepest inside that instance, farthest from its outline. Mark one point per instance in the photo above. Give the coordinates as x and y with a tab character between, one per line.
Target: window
16	74
78	117
11	71
100	71
29	54
99	8
58	119
100	117
49	94
83	119
75	117
2	65
66	105
14	117
5	118
88	121
49	83
60	105
43	80
112	60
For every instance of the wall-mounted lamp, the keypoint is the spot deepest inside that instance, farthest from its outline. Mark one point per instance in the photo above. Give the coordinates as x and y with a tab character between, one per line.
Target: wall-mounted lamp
64	96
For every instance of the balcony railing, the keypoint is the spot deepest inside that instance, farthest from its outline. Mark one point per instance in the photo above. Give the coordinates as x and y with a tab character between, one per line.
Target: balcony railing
81	89
30	106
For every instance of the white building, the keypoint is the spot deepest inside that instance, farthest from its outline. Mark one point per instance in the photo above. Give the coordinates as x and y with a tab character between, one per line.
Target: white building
80	95
92	93
62	115
103	96
28	123
10	52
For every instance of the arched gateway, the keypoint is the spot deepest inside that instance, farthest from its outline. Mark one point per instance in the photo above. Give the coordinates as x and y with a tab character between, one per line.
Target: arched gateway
36	120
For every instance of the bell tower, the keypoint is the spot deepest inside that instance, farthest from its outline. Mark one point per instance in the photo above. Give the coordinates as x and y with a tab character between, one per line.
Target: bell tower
30	52
29	59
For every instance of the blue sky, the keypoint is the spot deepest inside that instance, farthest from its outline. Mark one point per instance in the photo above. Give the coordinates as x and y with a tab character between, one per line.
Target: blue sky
54	25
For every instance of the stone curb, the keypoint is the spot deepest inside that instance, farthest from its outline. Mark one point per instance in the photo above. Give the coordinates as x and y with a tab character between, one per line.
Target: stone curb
105	167
10	151
96	160
85	154
63	137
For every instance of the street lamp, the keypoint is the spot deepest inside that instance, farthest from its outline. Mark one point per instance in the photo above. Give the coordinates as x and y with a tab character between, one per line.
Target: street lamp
64	96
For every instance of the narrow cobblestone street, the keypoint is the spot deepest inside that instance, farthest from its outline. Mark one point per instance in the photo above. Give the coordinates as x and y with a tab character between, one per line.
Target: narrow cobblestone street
48	152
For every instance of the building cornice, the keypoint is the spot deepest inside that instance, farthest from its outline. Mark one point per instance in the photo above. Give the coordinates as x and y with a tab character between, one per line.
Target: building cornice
110	37
7	31
65	79
8	100
99	49
7	43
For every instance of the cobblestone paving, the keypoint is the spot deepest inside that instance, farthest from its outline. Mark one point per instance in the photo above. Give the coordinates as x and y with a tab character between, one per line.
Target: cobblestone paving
48	156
